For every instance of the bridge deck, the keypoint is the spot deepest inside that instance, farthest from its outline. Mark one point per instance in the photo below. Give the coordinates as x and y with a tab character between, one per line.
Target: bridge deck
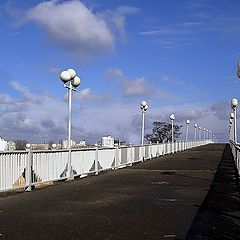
159	199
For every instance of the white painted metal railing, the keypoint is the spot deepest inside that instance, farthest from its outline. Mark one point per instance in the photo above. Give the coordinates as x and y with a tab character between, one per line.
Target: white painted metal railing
23	169
235	147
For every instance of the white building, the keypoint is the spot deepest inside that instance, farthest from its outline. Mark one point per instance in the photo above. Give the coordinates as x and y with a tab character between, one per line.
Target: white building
108	141
3	144
64	144
82	143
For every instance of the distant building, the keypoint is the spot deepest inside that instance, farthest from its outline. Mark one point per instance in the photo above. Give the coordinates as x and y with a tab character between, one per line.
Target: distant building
3	144
82	143
107	141
64	144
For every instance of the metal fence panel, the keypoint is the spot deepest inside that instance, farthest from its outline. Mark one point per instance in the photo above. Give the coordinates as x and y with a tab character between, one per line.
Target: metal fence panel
12	170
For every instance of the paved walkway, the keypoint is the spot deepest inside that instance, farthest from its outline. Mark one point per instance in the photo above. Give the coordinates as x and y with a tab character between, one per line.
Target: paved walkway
170	197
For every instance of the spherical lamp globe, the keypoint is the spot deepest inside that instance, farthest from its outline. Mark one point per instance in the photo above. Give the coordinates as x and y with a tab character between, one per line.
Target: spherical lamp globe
65	76
143	103
172	117
28	145
234	102
76	81
72	73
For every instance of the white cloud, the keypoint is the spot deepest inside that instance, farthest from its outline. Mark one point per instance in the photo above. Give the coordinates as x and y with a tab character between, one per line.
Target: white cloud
78	29
73	26
139	86
86	95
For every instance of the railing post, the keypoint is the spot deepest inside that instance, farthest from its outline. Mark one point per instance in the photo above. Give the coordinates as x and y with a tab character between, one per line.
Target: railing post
28	170
150	150
131	152
96	160
117	158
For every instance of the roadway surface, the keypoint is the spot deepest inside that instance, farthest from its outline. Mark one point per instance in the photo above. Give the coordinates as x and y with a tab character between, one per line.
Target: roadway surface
187	195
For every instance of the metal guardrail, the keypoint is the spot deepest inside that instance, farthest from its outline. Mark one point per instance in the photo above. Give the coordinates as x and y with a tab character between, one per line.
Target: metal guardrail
235	147
24	169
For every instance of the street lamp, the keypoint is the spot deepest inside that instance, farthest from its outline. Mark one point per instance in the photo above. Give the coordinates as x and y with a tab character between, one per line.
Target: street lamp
144	108
195	132
71	82
238	70
172	118
234	104
207	133
187	123
199	134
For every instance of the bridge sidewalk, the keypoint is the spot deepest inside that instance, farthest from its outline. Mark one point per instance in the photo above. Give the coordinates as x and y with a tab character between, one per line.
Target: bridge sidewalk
159	199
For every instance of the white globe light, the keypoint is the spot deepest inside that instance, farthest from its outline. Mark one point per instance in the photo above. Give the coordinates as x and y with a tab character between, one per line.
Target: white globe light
146	107
188	121
172	117
28	145
234	102
54	145
195	125
231	115
72	73
230	121
143	103
76	81
199	128
65	76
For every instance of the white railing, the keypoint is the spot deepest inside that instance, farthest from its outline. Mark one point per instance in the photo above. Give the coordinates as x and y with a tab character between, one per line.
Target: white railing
23	169
235	147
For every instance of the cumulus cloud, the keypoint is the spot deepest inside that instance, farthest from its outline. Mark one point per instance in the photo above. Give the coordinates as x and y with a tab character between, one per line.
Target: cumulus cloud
117	18
139	86
73	26
81	31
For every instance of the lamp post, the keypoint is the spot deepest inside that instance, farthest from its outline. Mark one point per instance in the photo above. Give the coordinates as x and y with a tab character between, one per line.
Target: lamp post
172	118
187	123
144	108
195	132
234	104
238	70
71	82
204	136
230	125
199	134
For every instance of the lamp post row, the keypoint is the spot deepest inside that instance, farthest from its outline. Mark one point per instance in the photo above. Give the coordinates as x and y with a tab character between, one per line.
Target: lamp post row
233	115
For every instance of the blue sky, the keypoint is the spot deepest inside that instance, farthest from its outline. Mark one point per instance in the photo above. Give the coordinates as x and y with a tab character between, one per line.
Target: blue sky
179	56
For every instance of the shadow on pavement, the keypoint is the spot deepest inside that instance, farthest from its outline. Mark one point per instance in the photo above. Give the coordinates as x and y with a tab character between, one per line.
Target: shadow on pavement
219	215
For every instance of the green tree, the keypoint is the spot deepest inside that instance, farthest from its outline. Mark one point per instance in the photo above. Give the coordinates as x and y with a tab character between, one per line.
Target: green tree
162	131
20	144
